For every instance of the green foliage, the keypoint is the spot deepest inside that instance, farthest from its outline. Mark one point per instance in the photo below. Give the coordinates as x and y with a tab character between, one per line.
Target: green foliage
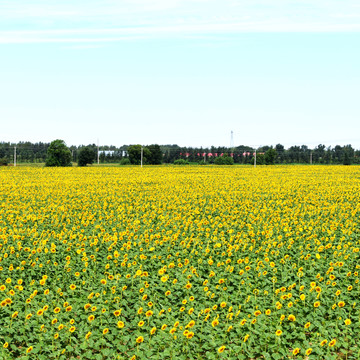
181	162
125	161
347	160
87	155
135	154
224	160
156	156
260	159
58	154
4	161
270	156
28	152
348	152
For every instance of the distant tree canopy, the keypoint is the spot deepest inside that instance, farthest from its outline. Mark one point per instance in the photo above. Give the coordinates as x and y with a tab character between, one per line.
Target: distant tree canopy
152	154
270	156
58	154
27	152
224	160
156	156
260	159
87	155
134	152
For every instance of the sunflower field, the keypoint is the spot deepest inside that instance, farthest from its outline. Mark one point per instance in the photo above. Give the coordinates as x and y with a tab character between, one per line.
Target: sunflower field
180	263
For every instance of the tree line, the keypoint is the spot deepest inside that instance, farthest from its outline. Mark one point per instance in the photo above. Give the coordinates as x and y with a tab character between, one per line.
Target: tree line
27	152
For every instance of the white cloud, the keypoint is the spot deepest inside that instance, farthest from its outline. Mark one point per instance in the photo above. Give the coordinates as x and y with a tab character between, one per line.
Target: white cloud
108	20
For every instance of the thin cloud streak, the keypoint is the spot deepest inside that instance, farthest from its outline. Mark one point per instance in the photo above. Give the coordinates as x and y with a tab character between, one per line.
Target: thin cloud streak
143	32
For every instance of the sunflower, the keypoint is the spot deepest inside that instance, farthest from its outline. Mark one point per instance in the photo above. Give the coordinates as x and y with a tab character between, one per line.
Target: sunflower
117	312
332	343
15	314
140	339
190	324
291	317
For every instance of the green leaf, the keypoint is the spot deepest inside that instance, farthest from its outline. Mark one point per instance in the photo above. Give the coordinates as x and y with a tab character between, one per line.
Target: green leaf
276	356
106	352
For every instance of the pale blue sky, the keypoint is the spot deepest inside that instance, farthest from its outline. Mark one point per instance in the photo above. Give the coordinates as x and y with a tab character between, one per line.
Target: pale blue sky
180	71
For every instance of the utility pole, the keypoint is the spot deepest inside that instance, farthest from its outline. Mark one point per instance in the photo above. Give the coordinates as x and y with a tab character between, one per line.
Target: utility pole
98	151
141	156
255	160
232	141
15	156
311	158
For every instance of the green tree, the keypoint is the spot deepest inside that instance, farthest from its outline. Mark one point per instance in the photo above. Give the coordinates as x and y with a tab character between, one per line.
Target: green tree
134	152
156	156
125	161
224	160
87	155
58	154
260	159
280	150
270	156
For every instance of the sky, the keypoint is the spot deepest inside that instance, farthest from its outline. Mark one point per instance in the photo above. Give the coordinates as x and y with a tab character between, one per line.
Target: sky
186	72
